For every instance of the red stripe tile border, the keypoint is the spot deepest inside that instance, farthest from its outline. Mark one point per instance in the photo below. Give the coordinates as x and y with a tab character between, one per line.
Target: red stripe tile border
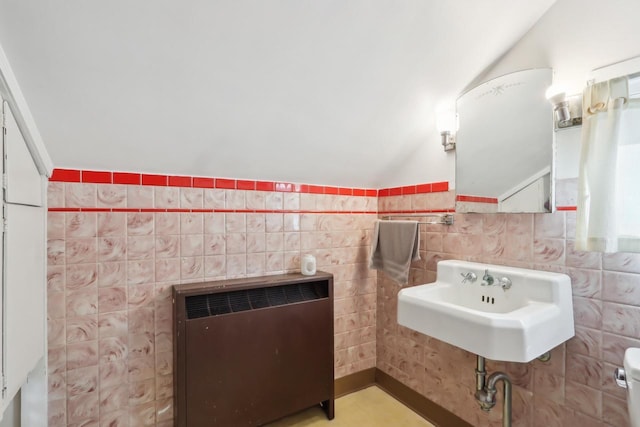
183	210
180	181
476	199
130	178
96	177
158	180
203	182
566	208
65	175
127	178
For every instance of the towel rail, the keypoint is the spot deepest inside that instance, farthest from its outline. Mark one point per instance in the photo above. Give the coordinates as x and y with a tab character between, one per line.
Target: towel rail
446	219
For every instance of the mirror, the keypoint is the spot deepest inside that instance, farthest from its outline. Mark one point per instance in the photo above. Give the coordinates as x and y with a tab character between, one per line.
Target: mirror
504	145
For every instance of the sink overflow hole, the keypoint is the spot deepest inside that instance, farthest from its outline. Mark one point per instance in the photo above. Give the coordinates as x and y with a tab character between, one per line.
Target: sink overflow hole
488	300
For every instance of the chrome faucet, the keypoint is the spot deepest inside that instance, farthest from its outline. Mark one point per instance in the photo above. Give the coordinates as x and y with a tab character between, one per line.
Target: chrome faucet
487	279
505	282
469	277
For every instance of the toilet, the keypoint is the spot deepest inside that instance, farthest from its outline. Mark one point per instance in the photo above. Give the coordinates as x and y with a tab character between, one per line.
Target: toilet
630	379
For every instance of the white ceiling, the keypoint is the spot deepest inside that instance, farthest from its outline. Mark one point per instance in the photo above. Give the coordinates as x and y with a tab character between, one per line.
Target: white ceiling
319	91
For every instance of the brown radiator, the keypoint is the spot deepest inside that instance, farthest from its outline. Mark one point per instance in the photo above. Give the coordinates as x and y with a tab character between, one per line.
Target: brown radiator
250	351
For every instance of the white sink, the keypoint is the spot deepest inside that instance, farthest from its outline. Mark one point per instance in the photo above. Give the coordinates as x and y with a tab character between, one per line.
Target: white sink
518	324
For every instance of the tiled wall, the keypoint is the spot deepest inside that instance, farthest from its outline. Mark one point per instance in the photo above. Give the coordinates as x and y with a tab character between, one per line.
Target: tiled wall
576	387
117	242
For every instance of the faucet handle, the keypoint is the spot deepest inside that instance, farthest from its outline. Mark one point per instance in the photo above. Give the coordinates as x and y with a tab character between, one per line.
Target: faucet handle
505	282
487	279
470	276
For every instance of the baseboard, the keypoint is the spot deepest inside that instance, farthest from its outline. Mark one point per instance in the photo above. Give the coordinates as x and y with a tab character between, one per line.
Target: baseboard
355	382
429	410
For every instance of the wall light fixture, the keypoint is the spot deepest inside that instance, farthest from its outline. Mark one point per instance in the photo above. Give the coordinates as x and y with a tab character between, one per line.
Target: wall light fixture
567	110
447	124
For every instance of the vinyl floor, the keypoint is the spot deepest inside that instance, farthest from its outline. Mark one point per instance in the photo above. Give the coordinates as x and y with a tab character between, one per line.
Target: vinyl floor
370	407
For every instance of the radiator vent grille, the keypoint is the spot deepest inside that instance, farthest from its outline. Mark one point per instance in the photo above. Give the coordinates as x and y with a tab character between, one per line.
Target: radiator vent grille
235	301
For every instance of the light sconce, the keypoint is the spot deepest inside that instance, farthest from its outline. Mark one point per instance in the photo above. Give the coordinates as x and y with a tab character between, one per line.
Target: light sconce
447	124
567	110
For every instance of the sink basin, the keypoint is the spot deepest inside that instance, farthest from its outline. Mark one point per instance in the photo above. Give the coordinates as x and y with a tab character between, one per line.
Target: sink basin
515	323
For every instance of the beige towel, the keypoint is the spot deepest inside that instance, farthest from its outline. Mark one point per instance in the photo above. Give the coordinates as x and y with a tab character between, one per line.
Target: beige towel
395	245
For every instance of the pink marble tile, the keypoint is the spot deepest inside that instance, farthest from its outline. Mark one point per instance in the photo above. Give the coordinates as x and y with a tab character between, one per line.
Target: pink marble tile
112	299
621	287
255	223
80	224
255	242
141	320
56	305
584	370
140	196
82	407
621	261
235	223
235	199
164	363
55	194
585	283
80	250
214	223
275	201
549	251
291	242
78	195
587	342
519	247
140	247
614	410
57	359
82	302
582	259
167	223
141	368
548	385
141	392
84	328
167	197
112	196
113	349
139	272
141	345
82	380
56	332
113	403
214	266
55	251
113	324
494	224
291	222
191	223
214	244
112	249
236	243
191	245
80	276
621	319
255	264
55	225
82	354
584	399
191	198
274	223
214	199
191	267
141	296
291	201
113	374
167	246
140	224
111	274
167	269
142	415
56	386
164	386
587	312
255	200
112	224
236	265
549	225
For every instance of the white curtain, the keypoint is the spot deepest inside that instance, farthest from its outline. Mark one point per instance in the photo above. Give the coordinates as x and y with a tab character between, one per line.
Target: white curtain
608	217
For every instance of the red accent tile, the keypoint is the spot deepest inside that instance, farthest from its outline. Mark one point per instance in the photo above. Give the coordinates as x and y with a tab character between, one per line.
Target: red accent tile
316	189
423	188
345	191
160	180
284	187
180	181
297	188
203	182
384	192
440	186
245	185
395	191
126	178
566	208
371	193
229	184
96	177
359	192
330	190
409	189
65	175
265	186
95	209
476	199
